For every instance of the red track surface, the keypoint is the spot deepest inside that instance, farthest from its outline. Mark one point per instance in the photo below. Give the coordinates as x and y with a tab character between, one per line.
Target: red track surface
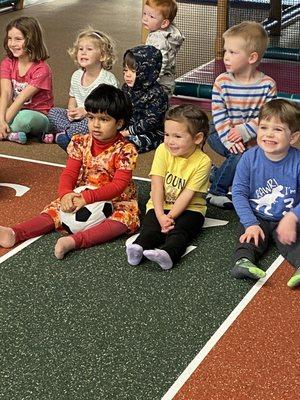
258	357
42	181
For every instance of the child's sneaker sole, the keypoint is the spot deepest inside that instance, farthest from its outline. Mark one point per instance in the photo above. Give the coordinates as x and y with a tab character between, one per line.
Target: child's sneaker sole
257	272
294	281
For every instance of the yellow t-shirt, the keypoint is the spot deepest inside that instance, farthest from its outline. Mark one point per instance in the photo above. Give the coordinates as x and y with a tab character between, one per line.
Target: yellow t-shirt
180	173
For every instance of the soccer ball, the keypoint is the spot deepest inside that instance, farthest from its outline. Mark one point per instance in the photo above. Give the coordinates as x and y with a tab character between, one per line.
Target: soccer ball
87	216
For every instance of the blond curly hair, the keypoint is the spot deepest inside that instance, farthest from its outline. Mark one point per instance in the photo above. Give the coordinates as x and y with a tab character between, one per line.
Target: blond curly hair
105	43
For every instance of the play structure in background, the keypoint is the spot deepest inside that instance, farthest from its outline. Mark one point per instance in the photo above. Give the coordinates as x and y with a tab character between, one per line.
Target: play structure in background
6	5
203	23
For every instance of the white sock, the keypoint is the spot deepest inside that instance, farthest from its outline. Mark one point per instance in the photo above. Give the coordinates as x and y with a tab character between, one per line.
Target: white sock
161	257
219	201
134	254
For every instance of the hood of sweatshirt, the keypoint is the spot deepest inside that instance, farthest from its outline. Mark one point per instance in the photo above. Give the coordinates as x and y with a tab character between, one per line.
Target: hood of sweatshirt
148	65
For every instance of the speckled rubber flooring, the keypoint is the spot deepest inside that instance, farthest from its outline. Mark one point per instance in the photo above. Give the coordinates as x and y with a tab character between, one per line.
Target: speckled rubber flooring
92	327
258	357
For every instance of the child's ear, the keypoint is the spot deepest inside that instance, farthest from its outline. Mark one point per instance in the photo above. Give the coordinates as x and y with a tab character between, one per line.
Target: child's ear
120	124
199	138
295	137
165	24
253	57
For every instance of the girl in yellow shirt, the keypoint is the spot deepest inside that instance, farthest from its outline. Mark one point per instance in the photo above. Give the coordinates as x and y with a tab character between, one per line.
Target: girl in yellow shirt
179	183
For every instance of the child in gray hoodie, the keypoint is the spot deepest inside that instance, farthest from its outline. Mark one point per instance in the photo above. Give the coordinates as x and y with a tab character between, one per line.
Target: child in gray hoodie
158	16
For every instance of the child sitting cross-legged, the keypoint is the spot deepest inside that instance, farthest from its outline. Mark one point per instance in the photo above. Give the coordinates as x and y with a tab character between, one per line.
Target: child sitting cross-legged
141	66
26	83
237	97
179	183
94	53
102	159
266	192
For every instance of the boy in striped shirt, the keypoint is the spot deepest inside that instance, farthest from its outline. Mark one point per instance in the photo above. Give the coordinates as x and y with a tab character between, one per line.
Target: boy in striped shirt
237	97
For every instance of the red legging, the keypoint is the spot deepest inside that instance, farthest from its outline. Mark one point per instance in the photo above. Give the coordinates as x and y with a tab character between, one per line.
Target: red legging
43	223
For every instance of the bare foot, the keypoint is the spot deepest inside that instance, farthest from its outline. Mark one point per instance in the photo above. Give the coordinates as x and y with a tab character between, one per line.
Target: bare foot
63	246
7	237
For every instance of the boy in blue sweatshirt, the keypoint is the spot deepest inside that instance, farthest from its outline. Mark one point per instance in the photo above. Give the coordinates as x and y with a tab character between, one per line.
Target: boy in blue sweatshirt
266	192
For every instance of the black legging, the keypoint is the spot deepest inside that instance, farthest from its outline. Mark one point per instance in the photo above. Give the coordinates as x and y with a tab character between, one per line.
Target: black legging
248	250
175	242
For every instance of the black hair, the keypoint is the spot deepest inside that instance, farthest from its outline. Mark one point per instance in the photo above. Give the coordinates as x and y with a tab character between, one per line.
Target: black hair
129	61
110	100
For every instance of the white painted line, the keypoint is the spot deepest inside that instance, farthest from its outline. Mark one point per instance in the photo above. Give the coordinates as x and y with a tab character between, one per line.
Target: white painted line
194	364
209	222
16	250
190	73
57	165
137	178
19	189
33	161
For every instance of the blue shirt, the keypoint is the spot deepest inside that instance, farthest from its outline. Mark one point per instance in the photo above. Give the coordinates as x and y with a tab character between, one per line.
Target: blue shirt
264	188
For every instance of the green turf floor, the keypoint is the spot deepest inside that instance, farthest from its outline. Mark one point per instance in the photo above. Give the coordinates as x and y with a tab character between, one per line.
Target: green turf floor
93	327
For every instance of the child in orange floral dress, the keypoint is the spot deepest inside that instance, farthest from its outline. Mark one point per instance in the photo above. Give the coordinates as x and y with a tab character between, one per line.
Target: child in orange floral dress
101	158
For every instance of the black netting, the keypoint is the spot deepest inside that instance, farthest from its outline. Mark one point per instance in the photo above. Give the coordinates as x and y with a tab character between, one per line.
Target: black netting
198	22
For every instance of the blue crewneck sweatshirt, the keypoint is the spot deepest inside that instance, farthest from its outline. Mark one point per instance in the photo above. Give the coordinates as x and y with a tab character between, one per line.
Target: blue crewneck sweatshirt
265	188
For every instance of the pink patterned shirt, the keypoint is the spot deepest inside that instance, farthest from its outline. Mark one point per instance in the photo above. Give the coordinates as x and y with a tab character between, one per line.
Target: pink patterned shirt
38	75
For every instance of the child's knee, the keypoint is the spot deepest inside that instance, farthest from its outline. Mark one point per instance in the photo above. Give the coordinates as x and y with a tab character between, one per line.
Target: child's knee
30	123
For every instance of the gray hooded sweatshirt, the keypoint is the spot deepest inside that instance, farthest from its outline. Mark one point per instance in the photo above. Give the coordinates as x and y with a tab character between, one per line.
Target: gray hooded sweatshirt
168	41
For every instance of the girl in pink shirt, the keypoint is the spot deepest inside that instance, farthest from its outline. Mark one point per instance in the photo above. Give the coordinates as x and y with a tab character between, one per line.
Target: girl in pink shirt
26	83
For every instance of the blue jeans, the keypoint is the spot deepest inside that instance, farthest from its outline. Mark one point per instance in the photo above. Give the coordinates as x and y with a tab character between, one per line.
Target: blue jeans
222	177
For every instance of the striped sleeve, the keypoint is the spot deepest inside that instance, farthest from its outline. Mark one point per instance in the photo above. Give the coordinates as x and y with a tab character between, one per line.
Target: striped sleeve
220	114
237	105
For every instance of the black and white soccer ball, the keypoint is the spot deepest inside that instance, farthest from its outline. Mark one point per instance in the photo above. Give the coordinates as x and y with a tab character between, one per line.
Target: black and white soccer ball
87	216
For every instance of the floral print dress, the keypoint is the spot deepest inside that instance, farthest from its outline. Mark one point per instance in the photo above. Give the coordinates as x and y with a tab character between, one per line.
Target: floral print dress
98	171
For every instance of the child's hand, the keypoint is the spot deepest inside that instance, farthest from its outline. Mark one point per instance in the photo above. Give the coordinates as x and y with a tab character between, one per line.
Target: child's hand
287	229
166	222
253	232
234	135
168	228
78	202
251	143
70	114
66	202
4	130
125	133
76	114
237	148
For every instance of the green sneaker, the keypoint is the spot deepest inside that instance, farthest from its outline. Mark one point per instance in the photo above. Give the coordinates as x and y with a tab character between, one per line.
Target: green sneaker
244	268
295	279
